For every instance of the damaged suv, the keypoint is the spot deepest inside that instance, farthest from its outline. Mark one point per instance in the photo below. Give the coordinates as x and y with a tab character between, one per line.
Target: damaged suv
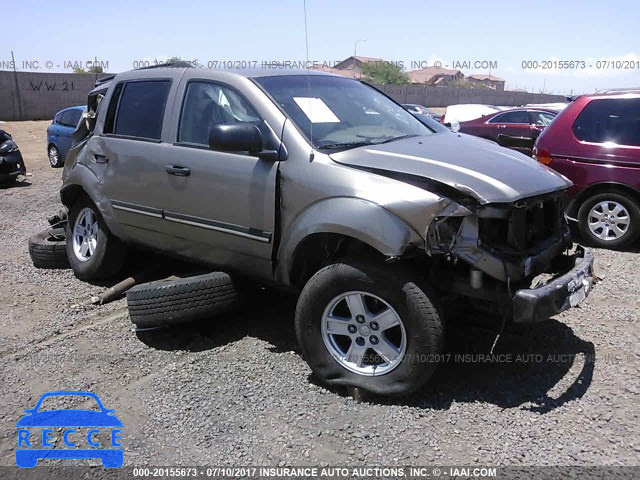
323	185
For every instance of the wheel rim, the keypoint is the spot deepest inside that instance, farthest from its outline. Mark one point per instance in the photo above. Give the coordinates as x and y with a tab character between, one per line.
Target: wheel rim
363	333
608	220
85	234
53	155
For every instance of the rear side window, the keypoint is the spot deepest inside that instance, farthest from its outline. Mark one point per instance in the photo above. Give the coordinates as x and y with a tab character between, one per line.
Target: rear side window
519	116
610	120
70	118
141	108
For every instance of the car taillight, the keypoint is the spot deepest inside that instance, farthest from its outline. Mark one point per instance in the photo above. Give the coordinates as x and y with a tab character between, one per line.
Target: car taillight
542	155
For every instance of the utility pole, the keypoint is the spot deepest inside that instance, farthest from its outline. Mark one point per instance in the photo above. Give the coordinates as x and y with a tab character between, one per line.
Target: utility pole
16	88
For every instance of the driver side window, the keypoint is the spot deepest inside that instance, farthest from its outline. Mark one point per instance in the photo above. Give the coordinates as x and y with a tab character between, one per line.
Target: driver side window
207	104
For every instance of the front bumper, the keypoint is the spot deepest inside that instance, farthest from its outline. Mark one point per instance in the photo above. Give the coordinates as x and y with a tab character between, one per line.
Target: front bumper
560	294
11	165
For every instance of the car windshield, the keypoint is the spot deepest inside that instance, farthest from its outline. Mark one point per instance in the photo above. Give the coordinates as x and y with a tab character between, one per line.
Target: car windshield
66	402
338	113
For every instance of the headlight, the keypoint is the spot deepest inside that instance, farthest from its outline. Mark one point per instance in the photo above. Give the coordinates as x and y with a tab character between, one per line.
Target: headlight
8	146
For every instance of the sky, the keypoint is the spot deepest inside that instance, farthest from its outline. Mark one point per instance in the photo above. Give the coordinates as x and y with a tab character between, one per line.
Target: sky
602	39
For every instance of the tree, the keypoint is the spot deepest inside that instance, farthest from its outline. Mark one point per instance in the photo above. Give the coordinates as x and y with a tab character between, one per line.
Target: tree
194	62
384	73
79	70
96	69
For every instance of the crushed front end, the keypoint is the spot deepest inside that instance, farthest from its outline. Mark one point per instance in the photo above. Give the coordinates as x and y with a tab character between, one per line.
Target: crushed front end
514	258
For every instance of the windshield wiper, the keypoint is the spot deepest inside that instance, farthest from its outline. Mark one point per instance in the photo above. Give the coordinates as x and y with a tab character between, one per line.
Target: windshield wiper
393	139
336	146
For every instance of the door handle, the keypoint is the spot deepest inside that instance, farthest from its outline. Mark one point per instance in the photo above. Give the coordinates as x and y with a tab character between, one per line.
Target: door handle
502	126
178	170
100	158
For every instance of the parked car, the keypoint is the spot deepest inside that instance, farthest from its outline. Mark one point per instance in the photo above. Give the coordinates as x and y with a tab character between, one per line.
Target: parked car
431	122
595	142
59	140
455	114
421	110
517	128
11	162
322	185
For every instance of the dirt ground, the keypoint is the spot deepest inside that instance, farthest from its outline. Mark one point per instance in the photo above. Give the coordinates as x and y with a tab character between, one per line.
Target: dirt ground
234	390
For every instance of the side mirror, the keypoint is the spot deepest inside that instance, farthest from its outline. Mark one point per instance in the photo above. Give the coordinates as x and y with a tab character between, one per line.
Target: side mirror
239	137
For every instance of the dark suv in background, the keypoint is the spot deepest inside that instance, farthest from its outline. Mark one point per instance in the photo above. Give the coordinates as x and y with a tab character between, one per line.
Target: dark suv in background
595	142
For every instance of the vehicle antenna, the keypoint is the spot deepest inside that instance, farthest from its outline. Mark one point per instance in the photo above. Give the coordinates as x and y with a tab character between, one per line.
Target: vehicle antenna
306	43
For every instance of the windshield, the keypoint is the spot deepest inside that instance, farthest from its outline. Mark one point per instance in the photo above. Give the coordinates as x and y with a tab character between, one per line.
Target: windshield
338	113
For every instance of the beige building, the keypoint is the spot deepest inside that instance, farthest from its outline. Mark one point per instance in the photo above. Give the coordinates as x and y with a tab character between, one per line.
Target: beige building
491	81
435	76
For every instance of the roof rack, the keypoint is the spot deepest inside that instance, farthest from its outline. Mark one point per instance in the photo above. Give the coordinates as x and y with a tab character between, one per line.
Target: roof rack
610	91
176	64
102	80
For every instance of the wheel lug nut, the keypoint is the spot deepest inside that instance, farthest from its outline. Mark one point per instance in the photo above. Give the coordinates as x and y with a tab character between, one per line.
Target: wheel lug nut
374	326
360	318
373	339
352	329
360	341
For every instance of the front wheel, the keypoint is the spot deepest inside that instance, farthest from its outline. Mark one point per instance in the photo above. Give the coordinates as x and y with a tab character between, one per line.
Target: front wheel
370	327
609	220
54	157
94	253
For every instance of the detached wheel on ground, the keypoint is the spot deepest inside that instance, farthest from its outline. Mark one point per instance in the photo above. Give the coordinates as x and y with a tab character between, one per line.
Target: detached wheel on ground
609	220
94	253
48	249
54	157
167	302
370	327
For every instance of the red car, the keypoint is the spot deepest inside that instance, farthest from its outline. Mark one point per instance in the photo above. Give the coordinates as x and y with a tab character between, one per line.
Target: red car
516	128
595	142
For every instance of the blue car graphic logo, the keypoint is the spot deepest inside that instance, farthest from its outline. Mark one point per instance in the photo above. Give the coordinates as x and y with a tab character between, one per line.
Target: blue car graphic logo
69	420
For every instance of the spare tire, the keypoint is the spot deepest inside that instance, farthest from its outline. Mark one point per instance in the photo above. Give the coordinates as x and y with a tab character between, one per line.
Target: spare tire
48	249
167	302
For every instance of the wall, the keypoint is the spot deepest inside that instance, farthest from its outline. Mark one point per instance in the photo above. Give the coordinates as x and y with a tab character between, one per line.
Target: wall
37	96
444	96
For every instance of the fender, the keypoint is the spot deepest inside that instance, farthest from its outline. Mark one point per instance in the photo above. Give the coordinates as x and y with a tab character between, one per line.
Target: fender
83	179
352	217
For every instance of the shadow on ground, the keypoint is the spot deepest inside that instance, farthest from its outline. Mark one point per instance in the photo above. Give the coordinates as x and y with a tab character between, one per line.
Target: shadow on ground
526	365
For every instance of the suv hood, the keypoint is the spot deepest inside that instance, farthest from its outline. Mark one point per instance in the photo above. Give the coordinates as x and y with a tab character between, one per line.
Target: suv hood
472	165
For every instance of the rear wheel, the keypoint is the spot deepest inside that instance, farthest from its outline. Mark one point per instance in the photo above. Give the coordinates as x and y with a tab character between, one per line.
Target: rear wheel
609	220
370	327
54	156
94	253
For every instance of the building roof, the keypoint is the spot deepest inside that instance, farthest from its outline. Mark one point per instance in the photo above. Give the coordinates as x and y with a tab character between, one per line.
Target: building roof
338	71
483	77
424	75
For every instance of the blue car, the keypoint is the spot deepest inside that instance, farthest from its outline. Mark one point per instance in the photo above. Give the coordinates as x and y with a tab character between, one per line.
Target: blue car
68	419
59	133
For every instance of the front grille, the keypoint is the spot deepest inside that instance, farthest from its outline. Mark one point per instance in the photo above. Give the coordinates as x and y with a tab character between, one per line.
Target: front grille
525	227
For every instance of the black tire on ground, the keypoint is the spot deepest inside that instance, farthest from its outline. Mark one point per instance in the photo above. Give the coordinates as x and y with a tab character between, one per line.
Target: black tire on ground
167	302
630	235
109	254
414	305
47	249
54	157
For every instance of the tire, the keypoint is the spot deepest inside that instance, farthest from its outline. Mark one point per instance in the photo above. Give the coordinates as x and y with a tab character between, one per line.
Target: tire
593	231
54	157
418	317
47	249
103	255
167	302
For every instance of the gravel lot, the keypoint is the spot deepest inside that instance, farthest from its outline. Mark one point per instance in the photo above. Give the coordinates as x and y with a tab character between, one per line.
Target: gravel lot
234	390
